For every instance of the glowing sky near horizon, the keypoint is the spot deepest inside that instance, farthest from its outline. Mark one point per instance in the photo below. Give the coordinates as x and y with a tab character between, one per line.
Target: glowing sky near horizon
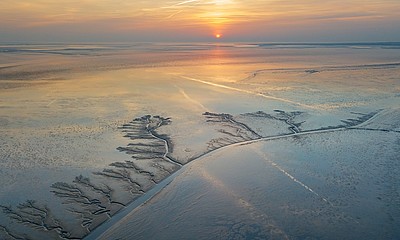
200	20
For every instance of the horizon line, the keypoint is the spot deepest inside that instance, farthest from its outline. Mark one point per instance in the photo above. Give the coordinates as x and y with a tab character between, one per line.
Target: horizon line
204	42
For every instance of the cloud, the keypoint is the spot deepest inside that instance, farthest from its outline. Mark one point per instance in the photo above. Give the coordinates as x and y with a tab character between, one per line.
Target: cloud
138	16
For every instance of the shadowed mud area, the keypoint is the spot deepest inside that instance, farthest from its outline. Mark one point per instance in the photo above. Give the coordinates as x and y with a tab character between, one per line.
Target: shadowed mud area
212	141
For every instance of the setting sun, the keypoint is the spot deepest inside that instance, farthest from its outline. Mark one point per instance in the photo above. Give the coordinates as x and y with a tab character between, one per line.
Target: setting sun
218	35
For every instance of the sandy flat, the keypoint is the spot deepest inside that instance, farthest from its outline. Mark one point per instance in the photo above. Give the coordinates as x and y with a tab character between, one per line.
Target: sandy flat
260	143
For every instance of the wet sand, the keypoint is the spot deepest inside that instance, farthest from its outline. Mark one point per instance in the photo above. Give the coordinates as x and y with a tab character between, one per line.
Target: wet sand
264	142
242	193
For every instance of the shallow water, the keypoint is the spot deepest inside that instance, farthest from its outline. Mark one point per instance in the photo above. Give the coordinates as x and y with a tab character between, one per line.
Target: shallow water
325	186
64	110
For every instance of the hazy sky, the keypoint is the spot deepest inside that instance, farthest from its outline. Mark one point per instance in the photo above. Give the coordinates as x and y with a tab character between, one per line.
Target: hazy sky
199	20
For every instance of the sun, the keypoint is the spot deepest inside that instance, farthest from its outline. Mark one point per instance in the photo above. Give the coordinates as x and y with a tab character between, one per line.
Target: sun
218	35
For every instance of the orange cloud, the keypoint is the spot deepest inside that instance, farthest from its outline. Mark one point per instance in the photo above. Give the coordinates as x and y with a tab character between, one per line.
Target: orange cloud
215	15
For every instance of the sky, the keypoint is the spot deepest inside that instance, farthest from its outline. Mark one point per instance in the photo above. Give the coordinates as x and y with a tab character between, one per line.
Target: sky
199	20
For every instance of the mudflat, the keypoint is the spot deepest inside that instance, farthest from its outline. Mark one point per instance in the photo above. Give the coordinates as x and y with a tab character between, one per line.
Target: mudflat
226	141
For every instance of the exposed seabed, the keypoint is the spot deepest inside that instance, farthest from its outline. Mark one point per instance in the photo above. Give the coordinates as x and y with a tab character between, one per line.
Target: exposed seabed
229	147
